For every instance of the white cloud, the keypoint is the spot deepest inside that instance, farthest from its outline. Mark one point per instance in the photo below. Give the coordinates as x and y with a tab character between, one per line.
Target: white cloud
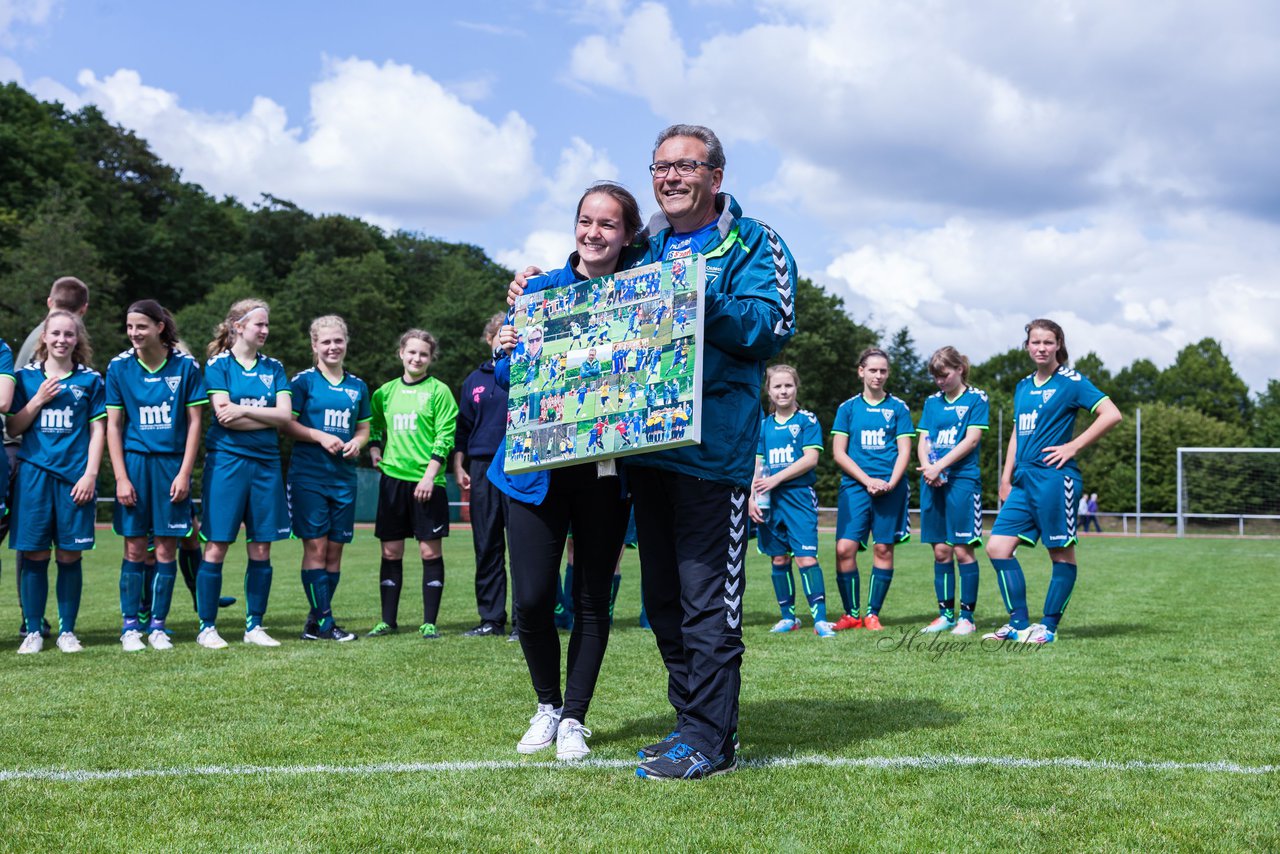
15	14
384	141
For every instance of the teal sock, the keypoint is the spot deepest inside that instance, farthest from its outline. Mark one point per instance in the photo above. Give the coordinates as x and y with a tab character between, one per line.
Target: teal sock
880	581
1013	588
162	593
316	585
33	590
144	608
70	581
566	593
944	587
189	563
613	595
133	576
786	593
257	587
815	590
968	589
208	591
334	578
1061	582
849	584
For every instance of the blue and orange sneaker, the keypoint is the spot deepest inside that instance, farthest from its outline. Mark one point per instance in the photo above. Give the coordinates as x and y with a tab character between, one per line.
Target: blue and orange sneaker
786	624
823	629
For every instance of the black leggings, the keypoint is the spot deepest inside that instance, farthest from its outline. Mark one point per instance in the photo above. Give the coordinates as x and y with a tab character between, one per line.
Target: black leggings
536	533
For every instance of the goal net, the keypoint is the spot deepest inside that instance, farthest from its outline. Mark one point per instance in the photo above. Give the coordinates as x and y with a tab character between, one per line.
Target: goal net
1225	488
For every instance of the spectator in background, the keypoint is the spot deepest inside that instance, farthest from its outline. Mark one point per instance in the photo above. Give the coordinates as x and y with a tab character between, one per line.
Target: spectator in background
1092	516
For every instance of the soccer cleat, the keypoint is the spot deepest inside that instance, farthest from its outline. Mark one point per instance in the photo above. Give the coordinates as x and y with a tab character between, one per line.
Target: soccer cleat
848	621
964	627
941	624
786	624
1009	633
382	629
652	751
159	639
682	762
872	623
428	631
210	639
1039	633
543	728
45	629
131	641
483	630
571	740
257	636
68	642
311	631
336	633
226	601
31	643
514	637
824	629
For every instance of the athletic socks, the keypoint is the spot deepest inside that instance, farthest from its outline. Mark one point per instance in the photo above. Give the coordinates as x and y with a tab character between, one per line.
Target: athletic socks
148	579
880	581
1061	583
315	584
208	591
785	591
1013	588
944	588
162	593
613	595
850	586
815	590
432	588
70	581
257	588
133	578
390	580
33	590
189	562
968	589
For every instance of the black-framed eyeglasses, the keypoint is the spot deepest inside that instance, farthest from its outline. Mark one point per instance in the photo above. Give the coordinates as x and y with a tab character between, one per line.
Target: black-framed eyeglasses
682	167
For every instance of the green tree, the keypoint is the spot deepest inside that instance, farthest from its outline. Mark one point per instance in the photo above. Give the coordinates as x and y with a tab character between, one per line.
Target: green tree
1201	378
909	376
1266	417
1135	384
1002	371
1090	365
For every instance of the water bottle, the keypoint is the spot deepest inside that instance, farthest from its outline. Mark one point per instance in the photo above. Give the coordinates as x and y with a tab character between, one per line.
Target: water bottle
933	458
762	500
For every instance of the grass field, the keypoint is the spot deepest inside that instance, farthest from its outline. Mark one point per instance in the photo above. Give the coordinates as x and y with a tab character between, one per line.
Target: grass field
1152	724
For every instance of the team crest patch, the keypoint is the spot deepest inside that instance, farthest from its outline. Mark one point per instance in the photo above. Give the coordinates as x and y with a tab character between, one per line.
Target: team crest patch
961	411
77	392
888	415
795	430
172	383
353	394
1048	393
266	381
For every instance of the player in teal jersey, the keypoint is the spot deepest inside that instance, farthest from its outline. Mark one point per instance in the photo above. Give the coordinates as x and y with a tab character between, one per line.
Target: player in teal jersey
950	430
153	437
250	396
415	420
790	443
58	409
1041	485
872	446
331	425
6	398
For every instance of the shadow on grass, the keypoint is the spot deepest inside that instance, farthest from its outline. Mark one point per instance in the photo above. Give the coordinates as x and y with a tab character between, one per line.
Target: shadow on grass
809	724
1110	630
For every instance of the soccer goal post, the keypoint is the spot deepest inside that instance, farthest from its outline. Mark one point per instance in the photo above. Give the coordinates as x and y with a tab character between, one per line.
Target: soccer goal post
1221	485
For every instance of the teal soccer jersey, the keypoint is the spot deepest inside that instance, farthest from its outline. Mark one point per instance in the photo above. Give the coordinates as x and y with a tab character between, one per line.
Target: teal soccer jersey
873	431
333	409
6	360
58	440
782	444
946	422
154	402
1046	414
256	385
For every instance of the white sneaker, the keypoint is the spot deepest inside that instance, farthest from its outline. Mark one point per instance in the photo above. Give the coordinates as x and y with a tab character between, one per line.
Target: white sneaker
131	641
68	642
159	639
210	639
31	643
964	627
571	740
257	636
542	729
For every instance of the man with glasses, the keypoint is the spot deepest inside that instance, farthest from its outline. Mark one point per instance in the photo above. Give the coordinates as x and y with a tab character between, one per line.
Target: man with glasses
691	503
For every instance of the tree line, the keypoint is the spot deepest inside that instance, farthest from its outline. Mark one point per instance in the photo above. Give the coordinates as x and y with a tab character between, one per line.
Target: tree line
80	196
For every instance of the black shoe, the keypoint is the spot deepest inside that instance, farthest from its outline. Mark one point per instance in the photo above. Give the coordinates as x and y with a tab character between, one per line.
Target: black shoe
652	751
337	633
682	762
483	630
514	637
226	601
311	631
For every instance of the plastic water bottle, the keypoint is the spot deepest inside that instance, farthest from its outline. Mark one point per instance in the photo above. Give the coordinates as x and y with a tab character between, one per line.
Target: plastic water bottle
762	500
933	458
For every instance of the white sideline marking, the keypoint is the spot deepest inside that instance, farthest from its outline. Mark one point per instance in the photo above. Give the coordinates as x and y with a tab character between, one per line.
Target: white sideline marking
877	762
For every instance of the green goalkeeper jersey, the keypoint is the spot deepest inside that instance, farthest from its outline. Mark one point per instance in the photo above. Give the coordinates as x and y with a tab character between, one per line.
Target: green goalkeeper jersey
416	423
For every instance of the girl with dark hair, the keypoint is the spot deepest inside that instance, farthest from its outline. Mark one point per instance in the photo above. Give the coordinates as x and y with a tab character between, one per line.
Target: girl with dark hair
153	436
1041	485
872	446
58	409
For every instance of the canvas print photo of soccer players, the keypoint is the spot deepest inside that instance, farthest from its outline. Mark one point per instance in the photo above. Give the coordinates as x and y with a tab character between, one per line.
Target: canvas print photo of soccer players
607	367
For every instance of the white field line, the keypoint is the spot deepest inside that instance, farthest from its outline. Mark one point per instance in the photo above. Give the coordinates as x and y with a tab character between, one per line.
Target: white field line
889	763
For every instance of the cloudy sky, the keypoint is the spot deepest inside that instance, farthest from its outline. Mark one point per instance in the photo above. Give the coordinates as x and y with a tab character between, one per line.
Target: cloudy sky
953	167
